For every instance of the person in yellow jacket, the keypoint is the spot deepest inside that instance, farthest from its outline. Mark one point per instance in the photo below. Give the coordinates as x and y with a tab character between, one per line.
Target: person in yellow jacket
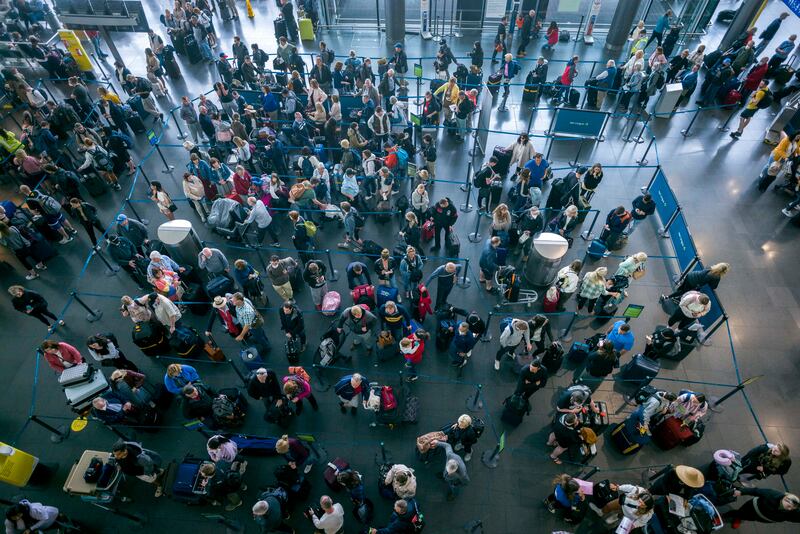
753	106
640	43
111	96
9	141
449	92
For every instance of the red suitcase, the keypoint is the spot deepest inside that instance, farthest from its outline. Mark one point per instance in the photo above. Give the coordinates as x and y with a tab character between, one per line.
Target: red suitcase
427	231
364	294
334	468
550	301
670	433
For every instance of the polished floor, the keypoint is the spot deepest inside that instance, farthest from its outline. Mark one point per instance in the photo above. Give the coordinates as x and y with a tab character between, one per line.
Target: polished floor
713	178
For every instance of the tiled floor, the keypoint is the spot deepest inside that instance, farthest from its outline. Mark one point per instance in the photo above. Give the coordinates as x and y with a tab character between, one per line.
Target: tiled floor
713	178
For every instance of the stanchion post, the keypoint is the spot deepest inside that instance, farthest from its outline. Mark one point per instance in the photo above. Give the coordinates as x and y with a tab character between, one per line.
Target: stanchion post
686	131
99	66
468	179
487	335
566	335
466	207
465	281
474	401
167	167
578	155
664	232
639	138
587	235
334	274
491	458
111	270
643	160
260	258
58	434
181	135
93	315
475	236
237	371
141	171
135	213
724	126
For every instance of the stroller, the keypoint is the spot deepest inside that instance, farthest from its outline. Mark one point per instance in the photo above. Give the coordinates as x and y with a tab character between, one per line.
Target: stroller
227	217
509	285
607	304
328	351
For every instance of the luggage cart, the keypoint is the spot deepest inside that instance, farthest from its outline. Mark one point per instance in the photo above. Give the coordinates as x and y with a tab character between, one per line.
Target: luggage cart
508	284
89	491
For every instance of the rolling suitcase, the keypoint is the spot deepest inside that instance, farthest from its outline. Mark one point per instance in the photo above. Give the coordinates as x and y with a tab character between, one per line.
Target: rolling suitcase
563	36
150	338
670	433
452	246
172	67
627	436
591	93
411	409
514	409
639	372
493	83
280	28
80	396
135	103
224	11
553	358
503	160
578	352
184	481
597	249
334	468
306	28
574	98
384	294
77	374
331	303
136	123
94	184
364	294
218	286
251	358
192	49
186	342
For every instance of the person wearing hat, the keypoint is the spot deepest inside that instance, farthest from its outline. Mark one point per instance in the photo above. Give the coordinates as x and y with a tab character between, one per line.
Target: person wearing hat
455	470
714	81
400	61
132	230
226	313
224	68
268	512
682	480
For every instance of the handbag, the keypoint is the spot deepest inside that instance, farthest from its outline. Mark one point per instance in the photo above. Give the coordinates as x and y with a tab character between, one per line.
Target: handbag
172	207
639	273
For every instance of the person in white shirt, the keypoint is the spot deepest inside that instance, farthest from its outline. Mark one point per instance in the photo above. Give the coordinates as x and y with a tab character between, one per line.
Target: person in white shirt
260	215
332	519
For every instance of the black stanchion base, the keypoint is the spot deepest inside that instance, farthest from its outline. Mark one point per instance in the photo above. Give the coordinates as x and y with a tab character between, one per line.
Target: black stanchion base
490	459
487	337
474	237
58	438
686	133
473	404
642	162
168	170
464	283
466	207
95	315
112	271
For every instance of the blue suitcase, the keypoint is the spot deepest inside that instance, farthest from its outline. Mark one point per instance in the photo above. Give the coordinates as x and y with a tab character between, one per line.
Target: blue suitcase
627	438
218	286
384	294
254	445
597	249
639	372
578	352
251	358
185	487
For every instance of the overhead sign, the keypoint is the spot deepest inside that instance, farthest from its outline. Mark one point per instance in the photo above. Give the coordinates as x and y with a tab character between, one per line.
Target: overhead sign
111	15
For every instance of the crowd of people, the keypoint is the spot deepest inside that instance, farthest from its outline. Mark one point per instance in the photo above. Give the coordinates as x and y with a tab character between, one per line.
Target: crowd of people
291	162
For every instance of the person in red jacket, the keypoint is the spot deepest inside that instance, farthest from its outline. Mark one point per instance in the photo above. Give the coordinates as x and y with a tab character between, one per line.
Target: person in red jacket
60	355
754	77
412	348
423	303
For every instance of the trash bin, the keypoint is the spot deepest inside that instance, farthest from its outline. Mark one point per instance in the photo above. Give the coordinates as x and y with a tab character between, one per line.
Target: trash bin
16	466
545	258
181	241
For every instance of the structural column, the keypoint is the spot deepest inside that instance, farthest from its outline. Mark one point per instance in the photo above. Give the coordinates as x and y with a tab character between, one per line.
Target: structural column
395	18
621	26
747	13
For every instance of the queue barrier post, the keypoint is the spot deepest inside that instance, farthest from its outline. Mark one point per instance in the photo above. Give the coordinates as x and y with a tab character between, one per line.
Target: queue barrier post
181	135
686	132
566	335
57	434
474	401
643	160
167	167
237	371
724	126
135	213
93	315
475	236
466	207
334	274
111	270
141	171
465	281
487	335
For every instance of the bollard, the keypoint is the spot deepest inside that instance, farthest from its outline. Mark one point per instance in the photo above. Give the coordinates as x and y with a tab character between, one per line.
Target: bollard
111	270
466	207
237	371
475	236
464	282
135	214
93	315
566	335
474	401
487	335
334	274
141	171
167	167
491	458
643	161
181	135
685	132
578	155
58	434
724	126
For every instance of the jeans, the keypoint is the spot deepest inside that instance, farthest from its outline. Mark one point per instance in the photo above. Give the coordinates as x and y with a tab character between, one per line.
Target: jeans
194	130
411	369
462	127
200	208
267	230
391	282
258	338
96	43
632	226
442	292
205	49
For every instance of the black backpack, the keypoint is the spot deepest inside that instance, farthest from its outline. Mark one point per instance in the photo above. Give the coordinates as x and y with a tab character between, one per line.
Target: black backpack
766	100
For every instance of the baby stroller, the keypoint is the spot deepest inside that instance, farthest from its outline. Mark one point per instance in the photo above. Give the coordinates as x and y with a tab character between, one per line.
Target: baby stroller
328	351
227	217
509	285
607	305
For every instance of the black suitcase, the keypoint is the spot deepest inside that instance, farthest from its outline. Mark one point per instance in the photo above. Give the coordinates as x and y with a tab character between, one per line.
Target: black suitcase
563	36
444	335
574	98
514	409
94	184
583	212
178	41
495	193
136	123
503	160
453	245
639	371
597	421
493	83
149	336
280	28
765	180
218	286
199	299
627	438
783	74
591	93
186	342
172	67
192	49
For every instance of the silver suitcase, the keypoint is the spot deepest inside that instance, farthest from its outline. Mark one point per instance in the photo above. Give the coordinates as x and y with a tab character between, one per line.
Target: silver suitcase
76	374
80	396
786	114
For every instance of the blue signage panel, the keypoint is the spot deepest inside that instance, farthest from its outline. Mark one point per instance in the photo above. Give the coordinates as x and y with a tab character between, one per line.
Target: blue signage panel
716	308
794	5
665	200
579	123
682	241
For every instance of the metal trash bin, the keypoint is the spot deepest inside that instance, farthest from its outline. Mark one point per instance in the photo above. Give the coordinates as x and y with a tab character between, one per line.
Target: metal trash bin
545	258
181	241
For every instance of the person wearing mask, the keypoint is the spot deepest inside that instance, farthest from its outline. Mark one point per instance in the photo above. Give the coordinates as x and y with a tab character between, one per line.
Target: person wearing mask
532	378
32	303
59	355
512	336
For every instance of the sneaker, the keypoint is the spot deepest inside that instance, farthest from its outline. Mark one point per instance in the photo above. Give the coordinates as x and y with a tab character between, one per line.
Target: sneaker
276	244
73	231
458	447
41	267
787	212
468	457
31	276
413	378
61	323
118	187
307	469
736	135
496	365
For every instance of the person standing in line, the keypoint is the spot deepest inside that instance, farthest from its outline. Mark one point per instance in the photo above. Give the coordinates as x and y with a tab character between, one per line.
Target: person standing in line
782	53
642	207
105	349
692	306
252	324
361	324
593	286
500	39
22	249
444	216
331	520
528	26
279	273
314	276
268	514
662	24
348	389
509	68
263	385
26	517
135	460
196	193
455	470
60	355
697	279
260	215
32	303
760	99
532	378
769	32
287	10
87	216
445	276
512	337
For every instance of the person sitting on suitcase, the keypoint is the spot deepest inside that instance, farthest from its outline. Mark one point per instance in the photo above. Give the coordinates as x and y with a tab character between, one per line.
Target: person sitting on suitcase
689	407
112	409
565	435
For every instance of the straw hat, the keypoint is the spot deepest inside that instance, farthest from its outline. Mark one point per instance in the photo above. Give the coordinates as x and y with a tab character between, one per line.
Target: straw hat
588	435
690	476
219	303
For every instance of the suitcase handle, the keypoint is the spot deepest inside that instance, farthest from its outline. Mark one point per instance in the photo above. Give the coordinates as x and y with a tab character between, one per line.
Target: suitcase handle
211	341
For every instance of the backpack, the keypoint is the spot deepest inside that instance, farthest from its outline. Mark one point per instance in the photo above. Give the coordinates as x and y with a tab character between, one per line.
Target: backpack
402	157
301	372
766	100
328	56
101	160
356	156
505	322
311	228
327	352
401	204
222	407
360	220
307	168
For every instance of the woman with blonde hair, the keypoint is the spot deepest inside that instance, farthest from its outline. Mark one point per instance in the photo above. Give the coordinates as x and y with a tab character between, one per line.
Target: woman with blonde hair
295	453
631	265
592	288
697	279
501	222
319	115
242	151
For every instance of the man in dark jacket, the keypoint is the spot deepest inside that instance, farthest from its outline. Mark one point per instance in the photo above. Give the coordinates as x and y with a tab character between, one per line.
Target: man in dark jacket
361	324
322	73
139	462
769	32
263	385
528	25
292	321
134	231
616	222
224	68
444	215
643	207
124	254
565	435
402	519
197	402
287	10
400	61
532	378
